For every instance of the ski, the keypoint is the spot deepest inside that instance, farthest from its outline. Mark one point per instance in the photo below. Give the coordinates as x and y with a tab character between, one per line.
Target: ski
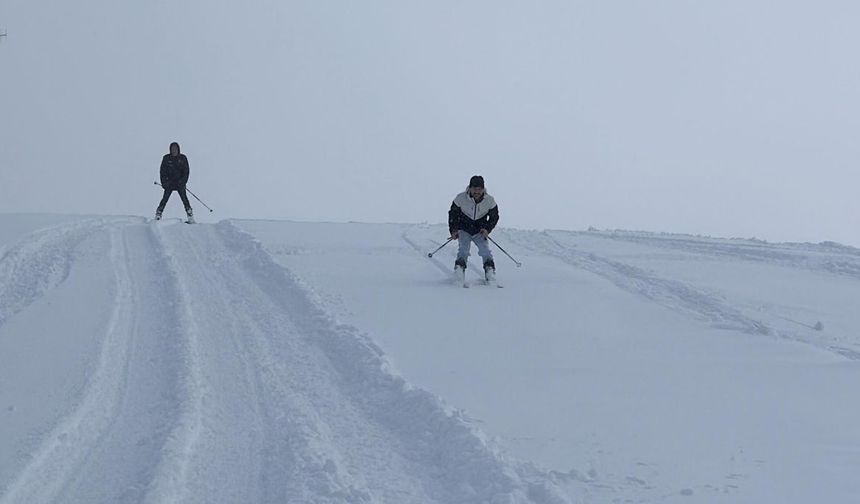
169	220
489	280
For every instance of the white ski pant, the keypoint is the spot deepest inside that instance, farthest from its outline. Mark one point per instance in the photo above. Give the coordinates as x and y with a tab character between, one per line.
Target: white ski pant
466	240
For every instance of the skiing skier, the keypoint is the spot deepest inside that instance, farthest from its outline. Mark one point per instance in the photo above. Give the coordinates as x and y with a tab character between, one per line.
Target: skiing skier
174	176
472	217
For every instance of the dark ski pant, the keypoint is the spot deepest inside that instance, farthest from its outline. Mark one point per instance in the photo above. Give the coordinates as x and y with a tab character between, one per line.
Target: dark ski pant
182	195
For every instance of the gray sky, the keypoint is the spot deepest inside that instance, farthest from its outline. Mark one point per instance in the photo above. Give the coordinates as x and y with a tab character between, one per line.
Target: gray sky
730	118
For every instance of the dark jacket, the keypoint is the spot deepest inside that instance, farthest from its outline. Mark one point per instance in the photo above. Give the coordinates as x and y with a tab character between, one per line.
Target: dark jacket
472	216
174	171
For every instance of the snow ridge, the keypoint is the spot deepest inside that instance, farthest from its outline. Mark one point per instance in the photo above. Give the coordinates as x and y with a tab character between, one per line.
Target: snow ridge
38	263
452	460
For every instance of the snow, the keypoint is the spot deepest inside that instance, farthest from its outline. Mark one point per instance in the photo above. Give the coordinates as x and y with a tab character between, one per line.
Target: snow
268	361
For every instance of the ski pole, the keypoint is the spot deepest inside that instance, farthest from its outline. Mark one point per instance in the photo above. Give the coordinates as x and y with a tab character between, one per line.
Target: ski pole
198	199
440	247
519	264
191	193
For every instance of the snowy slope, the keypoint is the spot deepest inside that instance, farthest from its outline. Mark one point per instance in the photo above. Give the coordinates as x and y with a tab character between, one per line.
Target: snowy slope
254	361
655	368
168	363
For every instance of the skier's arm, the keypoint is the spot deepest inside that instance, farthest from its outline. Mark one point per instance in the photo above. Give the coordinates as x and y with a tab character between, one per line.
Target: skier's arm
493	220
186	171
163	173
453	218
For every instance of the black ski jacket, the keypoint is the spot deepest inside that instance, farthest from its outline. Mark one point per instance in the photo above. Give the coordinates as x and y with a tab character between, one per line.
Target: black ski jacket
470	216
174	171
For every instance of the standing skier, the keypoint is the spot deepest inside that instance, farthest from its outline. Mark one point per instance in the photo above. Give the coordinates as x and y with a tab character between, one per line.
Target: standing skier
472	217
174	176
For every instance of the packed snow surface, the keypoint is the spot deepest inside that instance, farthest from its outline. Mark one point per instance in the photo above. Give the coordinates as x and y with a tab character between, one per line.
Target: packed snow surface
283	362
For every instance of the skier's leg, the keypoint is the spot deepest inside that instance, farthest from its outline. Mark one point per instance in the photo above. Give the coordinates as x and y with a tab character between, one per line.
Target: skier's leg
465	240
184	196
484	251
163	202
187	204
487	255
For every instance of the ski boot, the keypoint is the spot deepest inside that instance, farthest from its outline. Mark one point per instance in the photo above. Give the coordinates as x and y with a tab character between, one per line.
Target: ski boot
490	271
158	215
460	272
190	214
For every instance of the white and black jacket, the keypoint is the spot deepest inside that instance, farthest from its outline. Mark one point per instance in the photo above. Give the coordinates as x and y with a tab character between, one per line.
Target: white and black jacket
472	216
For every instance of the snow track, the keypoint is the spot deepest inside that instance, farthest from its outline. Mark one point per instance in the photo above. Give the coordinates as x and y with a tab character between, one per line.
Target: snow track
39	262
447	270
669	293
106	449
711	307
824	257
220	379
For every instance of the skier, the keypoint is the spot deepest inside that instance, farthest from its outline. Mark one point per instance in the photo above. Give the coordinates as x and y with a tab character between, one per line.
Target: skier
174	176
472	217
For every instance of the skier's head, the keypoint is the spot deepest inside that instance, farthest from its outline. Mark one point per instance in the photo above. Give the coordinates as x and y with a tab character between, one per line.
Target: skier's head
174	149
476	186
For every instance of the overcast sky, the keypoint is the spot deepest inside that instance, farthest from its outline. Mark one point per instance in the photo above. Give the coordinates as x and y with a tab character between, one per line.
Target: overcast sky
732	118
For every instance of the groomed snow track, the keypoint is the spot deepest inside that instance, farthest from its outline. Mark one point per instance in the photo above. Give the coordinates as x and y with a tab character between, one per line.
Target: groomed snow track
221	380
